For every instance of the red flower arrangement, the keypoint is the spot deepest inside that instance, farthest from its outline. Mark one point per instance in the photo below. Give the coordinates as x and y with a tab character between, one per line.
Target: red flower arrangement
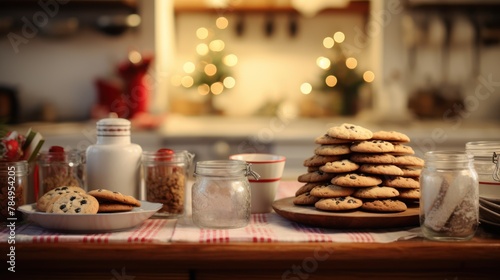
15	146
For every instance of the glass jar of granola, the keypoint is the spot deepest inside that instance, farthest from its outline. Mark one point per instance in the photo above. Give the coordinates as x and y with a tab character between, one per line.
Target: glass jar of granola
13	187
57	168
165	174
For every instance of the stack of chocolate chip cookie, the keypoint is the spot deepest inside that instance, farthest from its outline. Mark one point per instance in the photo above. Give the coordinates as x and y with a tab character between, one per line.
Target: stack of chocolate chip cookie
355	168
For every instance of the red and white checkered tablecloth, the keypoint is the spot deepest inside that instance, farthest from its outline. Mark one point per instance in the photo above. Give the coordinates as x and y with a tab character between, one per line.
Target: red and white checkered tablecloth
269	227
273	228
152	230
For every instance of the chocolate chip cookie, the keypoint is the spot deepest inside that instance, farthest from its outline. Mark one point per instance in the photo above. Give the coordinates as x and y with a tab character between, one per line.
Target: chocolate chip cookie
108	196
350	132
356	180
391	136
43	203
328	191
338	203
305	199
372	146
376	192
339	166
385	205
74	203
381	169
316	176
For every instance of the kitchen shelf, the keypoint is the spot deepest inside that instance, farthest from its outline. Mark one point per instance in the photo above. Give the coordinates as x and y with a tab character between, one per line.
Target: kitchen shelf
8	6
199	6
462	6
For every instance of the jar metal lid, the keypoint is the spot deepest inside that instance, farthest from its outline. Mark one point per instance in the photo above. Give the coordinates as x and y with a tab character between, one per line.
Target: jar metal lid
72	157
487	151
455	156
496	161
224	168
177	157
17	167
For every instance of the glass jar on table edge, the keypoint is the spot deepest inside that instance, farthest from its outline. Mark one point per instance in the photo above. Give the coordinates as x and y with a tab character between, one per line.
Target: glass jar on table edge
449	202
221	196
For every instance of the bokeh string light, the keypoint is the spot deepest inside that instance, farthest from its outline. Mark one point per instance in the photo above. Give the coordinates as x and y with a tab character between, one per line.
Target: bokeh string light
211	73
341	78
326	63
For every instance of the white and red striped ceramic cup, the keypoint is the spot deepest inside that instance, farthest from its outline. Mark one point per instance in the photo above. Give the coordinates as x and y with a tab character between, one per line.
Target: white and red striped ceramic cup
263	191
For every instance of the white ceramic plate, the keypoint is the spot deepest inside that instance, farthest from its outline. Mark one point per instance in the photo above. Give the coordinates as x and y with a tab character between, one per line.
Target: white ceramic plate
103	222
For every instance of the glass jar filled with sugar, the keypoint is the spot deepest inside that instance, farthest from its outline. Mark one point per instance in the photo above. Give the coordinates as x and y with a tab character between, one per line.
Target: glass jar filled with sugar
221	194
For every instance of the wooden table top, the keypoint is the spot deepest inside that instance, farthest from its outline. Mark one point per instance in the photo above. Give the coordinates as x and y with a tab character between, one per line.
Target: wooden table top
476	258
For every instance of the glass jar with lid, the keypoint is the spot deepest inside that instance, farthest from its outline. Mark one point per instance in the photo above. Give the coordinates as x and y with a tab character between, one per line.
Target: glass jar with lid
221	194
487	164
449	202
57	168
13	187
165	174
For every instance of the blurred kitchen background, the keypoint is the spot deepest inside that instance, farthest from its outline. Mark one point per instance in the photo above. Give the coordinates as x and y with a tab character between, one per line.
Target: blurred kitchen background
223	76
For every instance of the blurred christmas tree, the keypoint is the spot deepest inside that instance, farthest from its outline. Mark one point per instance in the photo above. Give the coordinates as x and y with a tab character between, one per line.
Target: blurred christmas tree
340	74
211	68
211	74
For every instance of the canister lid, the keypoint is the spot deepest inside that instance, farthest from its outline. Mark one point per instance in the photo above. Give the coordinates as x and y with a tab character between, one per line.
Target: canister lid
113	127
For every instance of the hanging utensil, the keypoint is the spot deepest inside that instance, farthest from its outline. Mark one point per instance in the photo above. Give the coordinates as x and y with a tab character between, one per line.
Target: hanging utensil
413	29
115	25
445	51
462	40
240	25
449	91
269	25
293	25
476	53
436	36
60	28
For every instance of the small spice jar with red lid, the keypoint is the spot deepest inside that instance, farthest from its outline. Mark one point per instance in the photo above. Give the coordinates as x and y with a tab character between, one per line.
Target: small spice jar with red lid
165	174
56	168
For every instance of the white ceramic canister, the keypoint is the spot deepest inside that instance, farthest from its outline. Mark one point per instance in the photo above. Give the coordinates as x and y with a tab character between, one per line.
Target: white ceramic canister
114	162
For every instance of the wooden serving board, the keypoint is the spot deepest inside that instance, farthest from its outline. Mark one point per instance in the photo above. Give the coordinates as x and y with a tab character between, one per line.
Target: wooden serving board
309	215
